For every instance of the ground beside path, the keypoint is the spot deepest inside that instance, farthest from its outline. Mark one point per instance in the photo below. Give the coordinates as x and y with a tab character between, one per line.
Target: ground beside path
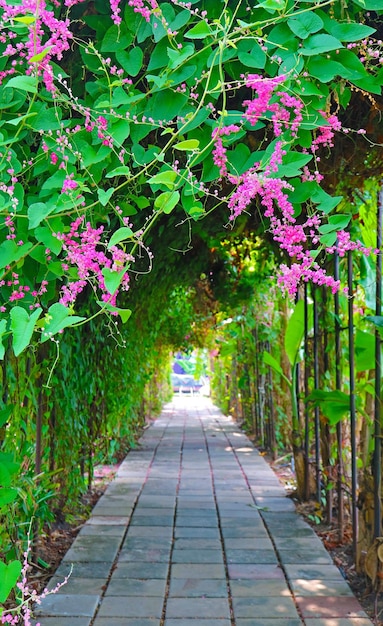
196	530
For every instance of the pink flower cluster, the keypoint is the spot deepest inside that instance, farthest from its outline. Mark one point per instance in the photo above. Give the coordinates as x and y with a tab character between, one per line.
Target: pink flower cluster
326	133
145	9
85	250
219	151
48	36
260	183
22	614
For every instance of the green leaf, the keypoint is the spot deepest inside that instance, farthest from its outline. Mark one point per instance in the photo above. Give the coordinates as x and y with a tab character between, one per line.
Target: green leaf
40	56
131	61
189	144
116	38
166	201
44	235
105	195
273	5
3	327
329	239
123	313
199	31
365	346
24	83
37	212
7	496
166	178
22	326
25	19
5	414
295	332
255	58
9	575
112	279
122	170
318	44
119	235
305	24
333	404
349	31
336	222
273	363
58	318
177	57
291	164
10	252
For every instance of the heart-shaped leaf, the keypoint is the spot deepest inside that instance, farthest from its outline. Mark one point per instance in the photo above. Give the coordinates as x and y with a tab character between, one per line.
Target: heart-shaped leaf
9	574
22	326
105	196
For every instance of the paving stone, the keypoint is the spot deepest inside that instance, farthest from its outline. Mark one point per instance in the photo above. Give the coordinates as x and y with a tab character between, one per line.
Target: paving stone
267	606
317	587
187	543
251	556
111	530
85	586
152	520
244	533
274	621
192	622
255	543
298	543
325	606
123	606
316	555
108	520
67	605
197	556
196	532
152	532
136	587
254	571
63	621
148	555
83	570
124	621
192	570
197	587
141	570
146	543
354	621
199	521
197	608
325	572
248	588
275	504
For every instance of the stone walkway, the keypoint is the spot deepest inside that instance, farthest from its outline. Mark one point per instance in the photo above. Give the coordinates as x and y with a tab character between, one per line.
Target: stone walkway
196	530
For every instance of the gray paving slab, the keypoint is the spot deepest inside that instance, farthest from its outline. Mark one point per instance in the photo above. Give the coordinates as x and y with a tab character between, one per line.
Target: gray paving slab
251	556
249	588
151	553
124	621
267	606
63	621
67	605
201	622
320	587
197	556
125	606
136	587
197	587
197	608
